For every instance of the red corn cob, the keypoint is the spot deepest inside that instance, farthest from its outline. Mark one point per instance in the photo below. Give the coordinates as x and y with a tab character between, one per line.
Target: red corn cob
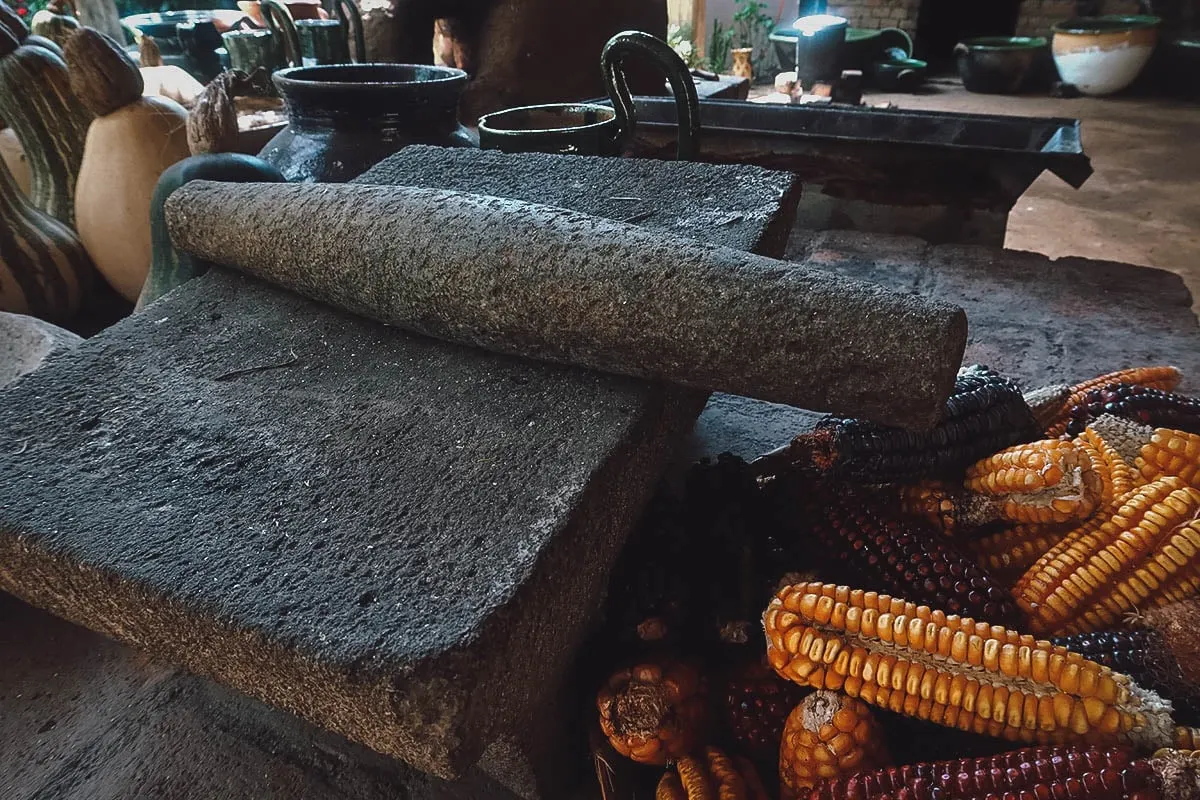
1035	773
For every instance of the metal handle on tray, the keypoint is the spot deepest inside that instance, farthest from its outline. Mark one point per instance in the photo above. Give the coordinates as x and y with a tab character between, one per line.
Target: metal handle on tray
660	53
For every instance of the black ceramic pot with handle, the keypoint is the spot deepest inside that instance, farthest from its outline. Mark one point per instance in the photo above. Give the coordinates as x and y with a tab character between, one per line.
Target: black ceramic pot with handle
593	129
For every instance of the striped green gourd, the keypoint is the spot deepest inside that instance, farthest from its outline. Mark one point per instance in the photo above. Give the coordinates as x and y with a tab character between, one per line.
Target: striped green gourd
11	21
44	269
37	103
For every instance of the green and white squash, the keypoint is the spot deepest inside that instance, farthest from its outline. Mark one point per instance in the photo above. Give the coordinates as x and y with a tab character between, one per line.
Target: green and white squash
44	270
37	103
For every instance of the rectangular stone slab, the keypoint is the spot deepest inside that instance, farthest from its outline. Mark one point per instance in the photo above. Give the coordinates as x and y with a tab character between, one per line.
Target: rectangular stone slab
399	540
365	528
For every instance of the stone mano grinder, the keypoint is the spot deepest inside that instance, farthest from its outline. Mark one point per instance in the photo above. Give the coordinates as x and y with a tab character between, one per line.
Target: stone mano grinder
561	286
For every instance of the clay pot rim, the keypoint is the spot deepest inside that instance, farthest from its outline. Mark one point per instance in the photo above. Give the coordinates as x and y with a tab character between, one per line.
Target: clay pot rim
486	120
1001	43
309	77
1107	24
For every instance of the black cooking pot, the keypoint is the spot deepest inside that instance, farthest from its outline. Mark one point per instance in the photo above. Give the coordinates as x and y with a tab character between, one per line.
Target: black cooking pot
998	64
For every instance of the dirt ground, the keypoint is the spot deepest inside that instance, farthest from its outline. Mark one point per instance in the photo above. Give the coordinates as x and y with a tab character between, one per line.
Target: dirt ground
1142	205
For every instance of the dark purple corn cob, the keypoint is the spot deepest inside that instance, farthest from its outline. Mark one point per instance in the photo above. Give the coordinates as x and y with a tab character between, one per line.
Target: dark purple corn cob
870	545
1152	407
986	413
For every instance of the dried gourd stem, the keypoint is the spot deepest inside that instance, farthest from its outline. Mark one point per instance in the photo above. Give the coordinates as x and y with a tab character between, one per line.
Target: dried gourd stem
103	76
149	53
212	125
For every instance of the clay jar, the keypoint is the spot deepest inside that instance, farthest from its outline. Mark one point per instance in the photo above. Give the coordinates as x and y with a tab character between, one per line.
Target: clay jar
344	118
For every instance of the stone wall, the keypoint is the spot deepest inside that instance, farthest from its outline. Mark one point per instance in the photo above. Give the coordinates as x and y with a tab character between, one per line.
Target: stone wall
1038	15
879	13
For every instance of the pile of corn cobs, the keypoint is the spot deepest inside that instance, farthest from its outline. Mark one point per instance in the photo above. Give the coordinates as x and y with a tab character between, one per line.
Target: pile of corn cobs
1004	607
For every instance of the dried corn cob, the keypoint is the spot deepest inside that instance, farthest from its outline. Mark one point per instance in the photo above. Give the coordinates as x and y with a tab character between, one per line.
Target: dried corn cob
1011	551
757	704
903	556
655	712
1178	774
1153	452
1165	378
1046	482
954	671
1186	738
930	500
1144	656
1179	626
1028	774
711	775
1015	549
986	413
1139	404
1048	403
1145	555
828	735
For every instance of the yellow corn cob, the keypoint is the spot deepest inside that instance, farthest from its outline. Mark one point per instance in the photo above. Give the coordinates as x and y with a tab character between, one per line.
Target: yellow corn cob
1018	547
1146	554
711	775
1153	452
827	736
955	671
931	500
1165	378
1186	738
1011	551
1046	482
1117	476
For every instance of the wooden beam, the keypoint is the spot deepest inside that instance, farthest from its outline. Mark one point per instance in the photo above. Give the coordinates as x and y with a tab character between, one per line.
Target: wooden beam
699	25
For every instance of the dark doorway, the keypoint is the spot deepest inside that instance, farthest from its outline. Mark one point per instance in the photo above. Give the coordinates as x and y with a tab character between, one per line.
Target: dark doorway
941	24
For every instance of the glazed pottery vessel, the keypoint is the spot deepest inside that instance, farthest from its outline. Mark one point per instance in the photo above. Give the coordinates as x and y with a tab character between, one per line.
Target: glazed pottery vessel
820	43
741	62
1103	55
998	64
311	41
591	128
344	118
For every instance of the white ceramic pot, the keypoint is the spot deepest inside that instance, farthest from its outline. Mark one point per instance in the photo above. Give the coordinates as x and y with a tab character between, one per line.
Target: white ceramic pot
1103	55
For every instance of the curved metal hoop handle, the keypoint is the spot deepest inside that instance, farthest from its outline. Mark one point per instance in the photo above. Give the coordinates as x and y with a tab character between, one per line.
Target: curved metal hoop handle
612	62
280	23
352	22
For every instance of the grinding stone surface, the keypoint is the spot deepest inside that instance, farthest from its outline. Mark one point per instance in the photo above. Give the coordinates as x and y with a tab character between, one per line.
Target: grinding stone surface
743	207
398	539
1038	320
27	343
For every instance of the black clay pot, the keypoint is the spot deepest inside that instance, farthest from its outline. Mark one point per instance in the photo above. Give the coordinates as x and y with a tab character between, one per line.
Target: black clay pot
998	64
345	118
